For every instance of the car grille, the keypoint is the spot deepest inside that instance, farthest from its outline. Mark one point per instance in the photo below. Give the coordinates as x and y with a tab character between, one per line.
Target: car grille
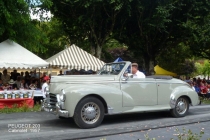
52	100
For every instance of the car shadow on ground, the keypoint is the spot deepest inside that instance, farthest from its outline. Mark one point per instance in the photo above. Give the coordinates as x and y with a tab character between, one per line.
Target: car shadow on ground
113	119
59	123
133	117
108	119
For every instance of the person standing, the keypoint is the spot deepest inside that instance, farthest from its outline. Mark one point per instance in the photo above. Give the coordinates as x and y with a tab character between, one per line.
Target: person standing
14	75
5	77
60	73
46	81
136	73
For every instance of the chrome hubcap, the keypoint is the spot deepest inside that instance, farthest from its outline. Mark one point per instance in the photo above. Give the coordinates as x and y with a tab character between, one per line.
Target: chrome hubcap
181	106
90	113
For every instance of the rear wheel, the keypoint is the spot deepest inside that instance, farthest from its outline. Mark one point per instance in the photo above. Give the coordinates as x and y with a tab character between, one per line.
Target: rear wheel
89	113
181	108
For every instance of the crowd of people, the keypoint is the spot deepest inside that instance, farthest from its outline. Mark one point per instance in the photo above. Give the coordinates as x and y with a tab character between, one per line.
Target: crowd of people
32	80
201	86
23	80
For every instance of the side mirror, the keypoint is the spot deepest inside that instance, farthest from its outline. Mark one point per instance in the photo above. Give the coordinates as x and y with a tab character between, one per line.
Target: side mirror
130	75
126	76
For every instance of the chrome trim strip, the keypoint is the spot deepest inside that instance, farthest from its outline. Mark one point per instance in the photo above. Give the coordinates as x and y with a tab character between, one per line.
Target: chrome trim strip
102	82
110	110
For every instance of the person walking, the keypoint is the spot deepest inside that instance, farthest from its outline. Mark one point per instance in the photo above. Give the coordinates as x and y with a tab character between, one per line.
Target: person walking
46	81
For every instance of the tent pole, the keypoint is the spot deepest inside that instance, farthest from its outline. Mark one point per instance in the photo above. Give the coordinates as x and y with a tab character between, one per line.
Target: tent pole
51	71
39	79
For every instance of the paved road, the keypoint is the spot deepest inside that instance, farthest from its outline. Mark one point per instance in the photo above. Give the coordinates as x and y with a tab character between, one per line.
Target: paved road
53	128
163	133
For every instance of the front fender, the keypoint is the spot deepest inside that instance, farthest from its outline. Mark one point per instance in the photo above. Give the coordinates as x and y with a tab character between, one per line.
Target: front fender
110	93
184	91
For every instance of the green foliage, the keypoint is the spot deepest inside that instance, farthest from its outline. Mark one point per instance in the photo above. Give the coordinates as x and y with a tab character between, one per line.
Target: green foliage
174	59
161	26
203	69
185	135
54	38
13	14
205	100
198	68
188	135
17	25
206	68
24	108
90	22
147	137
165	32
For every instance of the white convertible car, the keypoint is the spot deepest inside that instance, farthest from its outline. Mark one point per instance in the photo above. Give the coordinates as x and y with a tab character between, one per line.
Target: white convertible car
87	98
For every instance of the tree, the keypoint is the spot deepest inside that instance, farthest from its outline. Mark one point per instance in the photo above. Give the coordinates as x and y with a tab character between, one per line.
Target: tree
145	30
198	67
55	39
16	24
155	27
206	68
88	20
174	59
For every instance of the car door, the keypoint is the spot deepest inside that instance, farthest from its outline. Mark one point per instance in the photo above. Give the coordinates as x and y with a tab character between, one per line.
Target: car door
139	91
165	88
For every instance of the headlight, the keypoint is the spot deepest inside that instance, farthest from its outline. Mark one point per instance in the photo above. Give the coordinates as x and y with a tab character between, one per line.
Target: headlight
62	96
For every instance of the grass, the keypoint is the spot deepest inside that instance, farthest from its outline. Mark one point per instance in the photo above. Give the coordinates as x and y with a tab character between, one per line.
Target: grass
24	108
205	100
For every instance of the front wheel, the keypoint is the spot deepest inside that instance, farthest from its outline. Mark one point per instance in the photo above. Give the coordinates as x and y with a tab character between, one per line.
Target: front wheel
181	108
89	113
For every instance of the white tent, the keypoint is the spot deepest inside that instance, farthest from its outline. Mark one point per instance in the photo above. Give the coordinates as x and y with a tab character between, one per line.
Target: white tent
12	55
74	57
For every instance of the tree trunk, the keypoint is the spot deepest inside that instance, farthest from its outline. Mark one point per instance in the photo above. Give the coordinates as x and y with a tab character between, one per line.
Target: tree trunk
93	50
98	51
149	65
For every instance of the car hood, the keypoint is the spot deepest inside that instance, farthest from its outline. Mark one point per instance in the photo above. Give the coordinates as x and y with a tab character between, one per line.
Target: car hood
81	78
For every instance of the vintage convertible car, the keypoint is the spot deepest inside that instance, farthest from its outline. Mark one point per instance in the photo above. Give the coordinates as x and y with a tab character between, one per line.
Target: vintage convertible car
87	98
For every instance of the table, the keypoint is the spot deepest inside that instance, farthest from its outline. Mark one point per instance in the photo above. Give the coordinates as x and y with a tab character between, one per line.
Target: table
19	102
37	96
37	93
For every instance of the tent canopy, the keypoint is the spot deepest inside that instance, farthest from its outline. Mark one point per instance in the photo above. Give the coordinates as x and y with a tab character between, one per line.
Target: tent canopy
74	57
118	59
160	71
15	56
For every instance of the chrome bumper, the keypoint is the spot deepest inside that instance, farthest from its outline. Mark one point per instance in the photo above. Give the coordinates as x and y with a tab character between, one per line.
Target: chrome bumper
54	110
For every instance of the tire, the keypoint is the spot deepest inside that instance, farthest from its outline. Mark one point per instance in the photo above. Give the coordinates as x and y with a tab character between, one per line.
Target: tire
181	107
89	113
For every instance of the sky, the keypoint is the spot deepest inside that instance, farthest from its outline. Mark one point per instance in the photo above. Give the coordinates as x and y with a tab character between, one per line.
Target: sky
39	15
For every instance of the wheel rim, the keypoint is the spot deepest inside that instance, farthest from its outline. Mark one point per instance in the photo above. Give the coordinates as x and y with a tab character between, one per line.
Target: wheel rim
90	113
181	106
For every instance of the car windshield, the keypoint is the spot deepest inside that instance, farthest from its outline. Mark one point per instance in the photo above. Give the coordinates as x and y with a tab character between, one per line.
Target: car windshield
111	69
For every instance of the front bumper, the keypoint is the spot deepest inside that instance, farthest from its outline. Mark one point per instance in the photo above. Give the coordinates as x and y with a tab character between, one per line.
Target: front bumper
56	110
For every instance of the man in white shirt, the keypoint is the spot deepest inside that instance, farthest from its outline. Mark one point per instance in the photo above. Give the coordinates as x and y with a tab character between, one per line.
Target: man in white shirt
136	73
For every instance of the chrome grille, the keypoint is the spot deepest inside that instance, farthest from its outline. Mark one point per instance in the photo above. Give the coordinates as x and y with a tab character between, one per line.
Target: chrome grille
52	100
